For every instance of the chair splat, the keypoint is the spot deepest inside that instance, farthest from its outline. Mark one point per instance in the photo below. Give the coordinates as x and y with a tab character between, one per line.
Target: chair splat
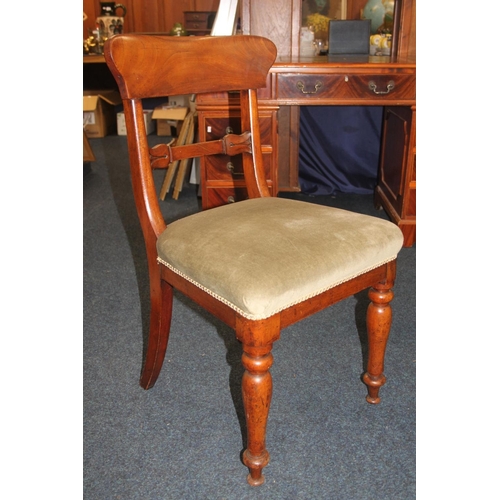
162	155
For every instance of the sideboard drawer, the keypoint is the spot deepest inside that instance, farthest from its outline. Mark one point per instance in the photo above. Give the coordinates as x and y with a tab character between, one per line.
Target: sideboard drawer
218	127
230	168
223	196
362	87
232	98
195	25
199	16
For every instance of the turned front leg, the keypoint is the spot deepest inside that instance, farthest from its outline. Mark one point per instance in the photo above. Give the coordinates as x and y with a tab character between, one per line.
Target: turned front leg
257	386
257	338
378	322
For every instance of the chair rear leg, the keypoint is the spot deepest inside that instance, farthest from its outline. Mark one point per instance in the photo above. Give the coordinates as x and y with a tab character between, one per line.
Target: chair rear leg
378	322
159	330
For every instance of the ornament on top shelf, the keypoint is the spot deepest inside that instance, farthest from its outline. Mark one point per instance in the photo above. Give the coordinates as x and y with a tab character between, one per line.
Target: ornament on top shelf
178	30
380	44
108	22
381	15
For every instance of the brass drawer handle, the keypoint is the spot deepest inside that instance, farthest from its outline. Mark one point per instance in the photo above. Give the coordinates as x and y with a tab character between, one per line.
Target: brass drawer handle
373	86
230	167
230	199
301	87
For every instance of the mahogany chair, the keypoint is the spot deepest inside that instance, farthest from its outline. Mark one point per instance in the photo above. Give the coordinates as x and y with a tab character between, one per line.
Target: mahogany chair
261	264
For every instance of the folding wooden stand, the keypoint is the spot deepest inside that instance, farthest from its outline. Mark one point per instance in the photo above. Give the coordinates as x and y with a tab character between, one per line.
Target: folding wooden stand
88	154
186	136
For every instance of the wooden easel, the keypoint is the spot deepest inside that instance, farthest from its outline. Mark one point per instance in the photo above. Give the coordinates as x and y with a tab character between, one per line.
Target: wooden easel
186	136
88	154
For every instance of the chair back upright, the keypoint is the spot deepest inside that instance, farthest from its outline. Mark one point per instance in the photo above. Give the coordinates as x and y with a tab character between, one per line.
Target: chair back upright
148	66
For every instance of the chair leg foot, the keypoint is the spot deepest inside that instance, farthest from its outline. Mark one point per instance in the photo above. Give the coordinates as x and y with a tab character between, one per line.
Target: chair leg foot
378	321
256	482
255	465
373	385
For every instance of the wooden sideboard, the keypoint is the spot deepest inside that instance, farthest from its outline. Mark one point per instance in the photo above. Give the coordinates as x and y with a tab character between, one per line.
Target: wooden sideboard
295	81
199	22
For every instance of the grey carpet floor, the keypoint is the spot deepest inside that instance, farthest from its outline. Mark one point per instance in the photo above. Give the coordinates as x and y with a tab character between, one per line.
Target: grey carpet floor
183	438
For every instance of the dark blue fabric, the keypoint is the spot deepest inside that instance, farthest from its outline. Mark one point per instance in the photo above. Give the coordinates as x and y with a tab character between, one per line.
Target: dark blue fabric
339	149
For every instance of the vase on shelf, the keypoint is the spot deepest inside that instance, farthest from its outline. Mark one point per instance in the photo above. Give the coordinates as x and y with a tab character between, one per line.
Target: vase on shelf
381	15
307	48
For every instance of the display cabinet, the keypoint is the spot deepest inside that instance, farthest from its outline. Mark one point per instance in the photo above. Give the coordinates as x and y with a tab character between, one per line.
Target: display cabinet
294	81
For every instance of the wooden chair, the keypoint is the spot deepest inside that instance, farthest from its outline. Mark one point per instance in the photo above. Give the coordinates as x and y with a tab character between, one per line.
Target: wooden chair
261	264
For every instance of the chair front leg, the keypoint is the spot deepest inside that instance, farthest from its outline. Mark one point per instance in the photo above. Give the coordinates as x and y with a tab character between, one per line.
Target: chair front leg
378	322
257	338
257	387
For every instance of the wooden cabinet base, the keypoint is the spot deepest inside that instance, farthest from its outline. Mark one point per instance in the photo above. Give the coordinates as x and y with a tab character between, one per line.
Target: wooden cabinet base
408	227
396	191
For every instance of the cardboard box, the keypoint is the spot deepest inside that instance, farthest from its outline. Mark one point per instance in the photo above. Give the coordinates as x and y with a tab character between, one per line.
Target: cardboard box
167	118
121	126
179	101
167	128
99	117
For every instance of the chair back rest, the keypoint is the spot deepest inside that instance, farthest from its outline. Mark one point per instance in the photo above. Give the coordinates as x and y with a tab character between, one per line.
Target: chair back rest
148	66
159	65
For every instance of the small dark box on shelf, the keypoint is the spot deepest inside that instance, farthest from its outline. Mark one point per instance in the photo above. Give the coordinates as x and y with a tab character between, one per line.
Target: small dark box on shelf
349	37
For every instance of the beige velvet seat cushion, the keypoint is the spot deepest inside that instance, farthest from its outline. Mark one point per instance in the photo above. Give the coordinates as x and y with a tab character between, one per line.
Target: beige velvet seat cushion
263	255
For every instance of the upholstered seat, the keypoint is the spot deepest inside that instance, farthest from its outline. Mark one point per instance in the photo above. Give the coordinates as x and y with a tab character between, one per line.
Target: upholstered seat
258	265
273	253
